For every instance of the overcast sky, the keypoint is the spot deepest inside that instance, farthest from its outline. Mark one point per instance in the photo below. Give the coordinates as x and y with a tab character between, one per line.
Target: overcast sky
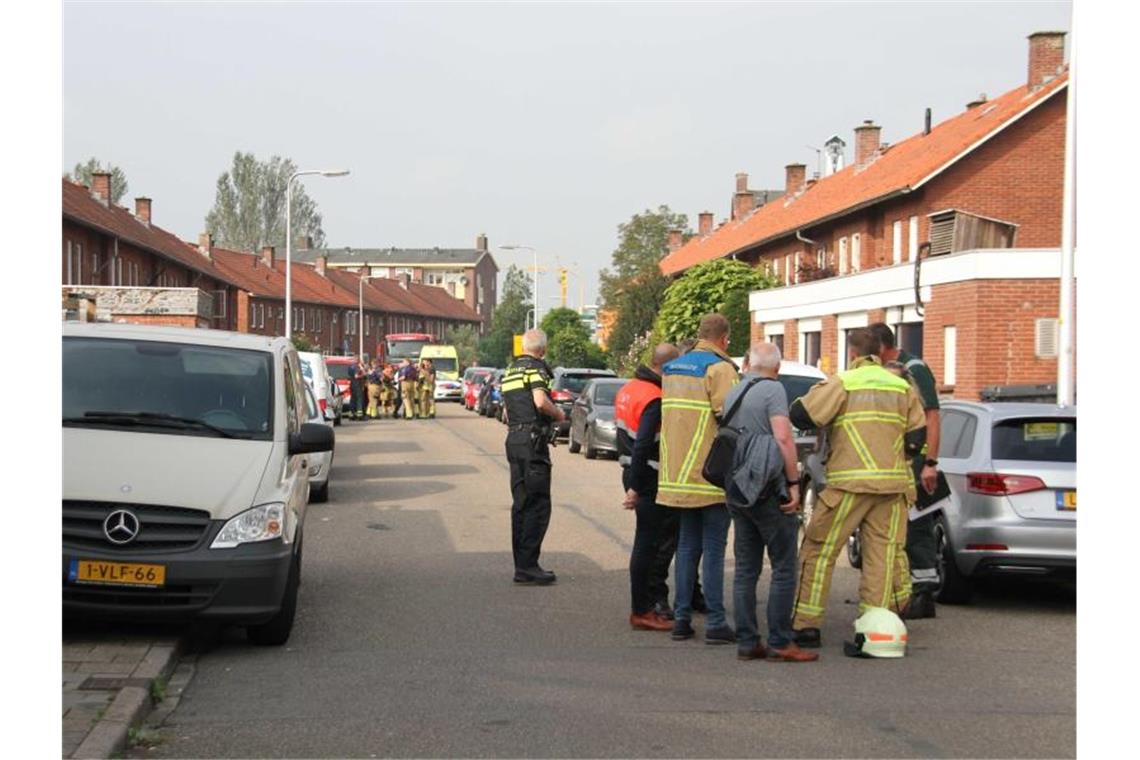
545	125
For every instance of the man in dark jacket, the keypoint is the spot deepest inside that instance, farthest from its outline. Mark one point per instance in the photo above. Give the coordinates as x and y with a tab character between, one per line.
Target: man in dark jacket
637	410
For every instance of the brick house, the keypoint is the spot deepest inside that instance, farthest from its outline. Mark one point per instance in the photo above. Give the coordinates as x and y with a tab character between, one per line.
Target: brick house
468	275
983	189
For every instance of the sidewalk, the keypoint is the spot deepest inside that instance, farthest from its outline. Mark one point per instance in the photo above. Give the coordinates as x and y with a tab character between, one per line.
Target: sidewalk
108	685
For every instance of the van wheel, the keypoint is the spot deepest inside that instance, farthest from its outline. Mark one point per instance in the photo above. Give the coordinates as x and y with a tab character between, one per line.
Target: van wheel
319	495
955	588
276	630
591	452
575	447
855	550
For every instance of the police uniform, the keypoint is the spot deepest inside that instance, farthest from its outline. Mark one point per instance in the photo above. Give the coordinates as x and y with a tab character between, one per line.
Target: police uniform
528	453
876	420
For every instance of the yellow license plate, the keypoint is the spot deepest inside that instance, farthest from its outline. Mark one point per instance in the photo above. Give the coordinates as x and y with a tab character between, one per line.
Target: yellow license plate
1067	500
117	573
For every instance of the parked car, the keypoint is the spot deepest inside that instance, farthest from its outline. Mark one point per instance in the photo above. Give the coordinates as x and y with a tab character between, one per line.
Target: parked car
448	390
797	379
568	382
320	462
592	422
491	397
473	378
185	475
317	377
339	367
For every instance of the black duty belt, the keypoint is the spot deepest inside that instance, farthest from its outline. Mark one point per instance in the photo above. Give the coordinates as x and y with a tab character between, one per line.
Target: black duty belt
520	427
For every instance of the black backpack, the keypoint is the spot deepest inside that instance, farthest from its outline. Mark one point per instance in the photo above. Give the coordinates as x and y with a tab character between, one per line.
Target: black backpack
718	465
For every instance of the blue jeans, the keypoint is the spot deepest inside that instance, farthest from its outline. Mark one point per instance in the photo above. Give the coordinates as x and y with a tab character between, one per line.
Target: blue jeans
704	531
756	527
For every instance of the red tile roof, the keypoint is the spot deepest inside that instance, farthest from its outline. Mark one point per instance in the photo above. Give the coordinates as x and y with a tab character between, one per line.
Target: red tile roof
81	206
904	166
248	272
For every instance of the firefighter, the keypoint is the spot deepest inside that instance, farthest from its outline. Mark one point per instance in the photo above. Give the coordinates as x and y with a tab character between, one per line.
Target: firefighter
374	390
388	392
876	422
637	411
408	377
427	388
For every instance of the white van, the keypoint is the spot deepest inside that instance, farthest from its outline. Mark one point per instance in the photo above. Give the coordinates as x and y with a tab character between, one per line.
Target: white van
316	376
185	475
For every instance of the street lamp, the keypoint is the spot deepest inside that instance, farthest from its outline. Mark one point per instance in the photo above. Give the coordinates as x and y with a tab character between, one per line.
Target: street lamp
289	239
360	332
534	296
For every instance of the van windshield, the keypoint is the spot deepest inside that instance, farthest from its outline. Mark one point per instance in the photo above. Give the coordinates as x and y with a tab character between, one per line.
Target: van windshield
168	388
443	363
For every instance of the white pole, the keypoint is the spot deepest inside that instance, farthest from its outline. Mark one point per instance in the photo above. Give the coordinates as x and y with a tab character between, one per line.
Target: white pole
360	331
535	287
1066	315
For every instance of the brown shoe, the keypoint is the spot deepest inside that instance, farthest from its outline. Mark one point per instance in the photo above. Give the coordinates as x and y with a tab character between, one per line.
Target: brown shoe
649	622
758	652
792	653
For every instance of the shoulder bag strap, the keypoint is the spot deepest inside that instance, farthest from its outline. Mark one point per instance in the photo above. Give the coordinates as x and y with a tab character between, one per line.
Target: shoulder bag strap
739	400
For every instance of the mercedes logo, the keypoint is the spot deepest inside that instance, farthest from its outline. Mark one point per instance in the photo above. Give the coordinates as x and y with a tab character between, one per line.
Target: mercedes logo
121	527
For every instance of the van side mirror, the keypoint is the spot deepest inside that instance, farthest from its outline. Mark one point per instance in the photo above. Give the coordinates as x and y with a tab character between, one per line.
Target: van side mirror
312	437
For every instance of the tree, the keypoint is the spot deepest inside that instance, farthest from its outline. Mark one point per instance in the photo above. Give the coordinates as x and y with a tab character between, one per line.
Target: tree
249	205
570	348
634	287
510	319
466	342
561	319
722	285
82	174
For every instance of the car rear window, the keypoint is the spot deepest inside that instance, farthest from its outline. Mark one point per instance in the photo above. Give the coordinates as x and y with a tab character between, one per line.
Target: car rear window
606	393
797	385
575	383
1042	439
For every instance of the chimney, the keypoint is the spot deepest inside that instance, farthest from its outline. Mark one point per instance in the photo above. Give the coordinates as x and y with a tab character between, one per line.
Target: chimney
481	242
794	176
304	243
705	222
101	186
926	123
322	264
267	255
206	245
976	102
406	281
1046	57
142	209
676	240
866	142
741	182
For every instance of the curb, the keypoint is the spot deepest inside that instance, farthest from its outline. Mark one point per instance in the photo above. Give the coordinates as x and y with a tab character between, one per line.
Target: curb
130	706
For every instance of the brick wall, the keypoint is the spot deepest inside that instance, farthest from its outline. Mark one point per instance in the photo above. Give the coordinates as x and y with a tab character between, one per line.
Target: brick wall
829	344
791	340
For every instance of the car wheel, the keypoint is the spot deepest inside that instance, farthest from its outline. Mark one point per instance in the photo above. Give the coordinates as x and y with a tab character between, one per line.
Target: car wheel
336	420
319	495
807	504
575	447
855	550
955	588
276	630
591	451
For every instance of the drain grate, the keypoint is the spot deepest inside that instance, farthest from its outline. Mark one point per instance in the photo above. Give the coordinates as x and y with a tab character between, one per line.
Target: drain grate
105	683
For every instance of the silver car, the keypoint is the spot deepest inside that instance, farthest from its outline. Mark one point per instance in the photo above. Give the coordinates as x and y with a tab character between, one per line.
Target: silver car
1012	470
592	422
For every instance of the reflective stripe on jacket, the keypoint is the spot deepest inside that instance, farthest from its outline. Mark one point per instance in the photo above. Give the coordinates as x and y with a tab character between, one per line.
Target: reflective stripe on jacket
693	389
629	405
870	410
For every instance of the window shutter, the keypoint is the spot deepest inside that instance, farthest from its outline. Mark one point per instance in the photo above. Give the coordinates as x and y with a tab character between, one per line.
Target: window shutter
1047	338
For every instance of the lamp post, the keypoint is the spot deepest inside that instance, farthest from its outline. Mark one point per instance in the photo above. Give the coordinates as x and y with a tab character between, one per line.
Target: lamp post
289	239
534	296
360	332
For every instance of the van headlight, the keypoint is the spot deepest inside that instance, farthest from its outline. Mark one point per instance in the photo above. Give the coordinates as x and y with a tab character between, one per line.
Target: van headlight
263	523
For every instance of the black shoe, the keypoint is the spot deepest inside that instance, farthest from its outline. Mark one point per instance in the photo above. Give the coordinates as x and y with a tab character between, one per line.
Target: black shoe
535	576
663	610
682	630
921	606
722	635
808	638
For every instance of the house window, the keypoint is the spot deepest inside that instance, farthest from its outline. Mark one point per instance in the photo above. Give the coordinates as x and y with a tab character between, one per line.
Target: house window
856	258
949	354
294	316
788	269
912	242
796	261
896	242
219	304
908	336
842	255
379	271
810	344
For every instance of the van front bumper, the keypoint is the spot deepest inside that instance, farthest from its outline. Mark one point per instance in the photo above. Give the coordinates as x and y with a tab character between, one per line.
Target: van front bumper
245	584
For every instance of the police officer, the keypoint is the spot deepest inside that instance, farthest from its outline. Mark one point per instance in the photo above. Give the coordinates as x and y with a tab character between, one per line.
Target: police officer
921	544
875	418
530	413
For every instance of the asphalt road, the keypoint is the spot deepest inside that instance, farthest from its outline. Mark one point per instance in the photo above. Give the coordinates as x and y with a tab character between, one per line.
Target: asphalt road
411	640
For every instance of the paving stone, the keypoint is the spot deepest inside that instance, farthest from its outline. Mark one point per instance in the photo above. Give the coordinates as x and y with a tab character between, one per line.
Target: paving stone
105	668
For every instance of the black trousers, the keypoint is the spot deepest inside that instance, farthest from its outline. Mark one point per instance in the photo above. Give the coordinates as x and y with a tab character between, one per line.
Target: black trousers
654	543
922	553
530	497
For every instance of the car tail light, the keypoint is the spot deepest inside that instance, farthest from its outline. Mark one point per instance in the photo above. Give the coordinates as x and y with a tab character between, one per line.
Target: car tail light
994	484
561	396
324	404
986	548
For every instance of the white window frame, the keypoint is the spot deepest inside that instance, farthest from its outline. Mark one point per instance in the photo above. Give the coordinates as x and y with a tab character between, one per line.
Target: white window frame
796	267
912	241
856	252
788	269
896	242
950	354
843	255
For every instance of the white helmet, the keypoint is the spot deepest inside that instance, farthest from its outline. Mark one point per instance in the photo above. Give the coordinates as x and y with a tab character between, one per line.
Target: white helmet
878	633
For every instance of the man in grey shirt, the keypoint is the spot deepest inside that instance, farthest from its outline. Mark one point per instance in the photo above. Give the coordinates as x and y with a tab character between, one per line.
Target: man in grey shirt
761	514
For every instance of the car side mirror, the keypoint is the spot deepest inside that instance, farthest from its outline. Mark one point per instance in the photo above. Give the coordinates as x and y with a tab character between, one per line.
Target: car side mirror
312	437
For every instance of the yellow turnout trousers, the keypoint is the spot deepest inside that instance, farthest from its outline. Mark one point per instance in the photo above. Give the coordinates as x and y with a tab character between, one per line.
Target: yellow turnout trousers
387	400
885	581
373	400
408	394
427	402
